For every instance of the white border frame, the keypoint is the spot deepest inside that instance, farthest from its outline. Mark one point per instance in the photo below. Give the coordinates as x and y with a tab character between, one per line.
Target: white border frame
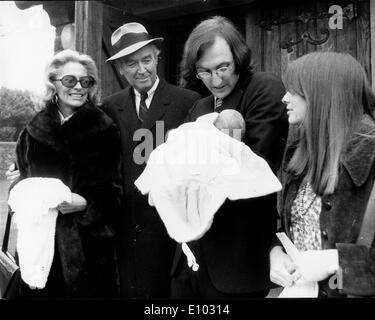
372	42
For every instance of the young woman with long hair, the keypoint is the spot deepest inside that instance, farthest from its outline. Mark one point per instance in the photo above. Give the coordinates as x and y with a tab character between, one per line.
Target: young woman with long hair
327	174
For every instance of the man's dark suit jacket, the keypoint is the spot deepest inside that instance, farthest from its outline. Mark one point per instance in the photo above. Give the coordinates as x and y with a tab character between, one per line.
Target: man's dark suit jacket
236	246
145	249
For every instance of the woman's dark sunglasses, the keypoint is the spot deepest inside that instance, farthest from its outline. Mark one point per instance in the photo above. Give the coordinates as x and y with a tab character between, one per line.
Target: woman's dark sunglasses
71	81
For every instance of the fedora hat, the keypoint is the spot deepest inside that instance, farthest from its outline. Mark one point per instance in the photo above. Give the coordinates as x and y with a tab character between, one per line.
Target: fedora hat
129	38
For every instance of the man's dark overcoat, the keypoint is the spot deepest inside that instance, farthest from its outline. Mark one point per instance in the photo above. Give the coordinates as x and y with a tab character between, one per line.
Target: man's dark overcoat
236	247
146	251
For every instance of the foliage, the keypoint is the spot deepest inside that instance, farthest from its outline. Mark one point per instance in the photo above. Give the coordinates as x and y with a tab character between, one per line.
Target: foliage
16	109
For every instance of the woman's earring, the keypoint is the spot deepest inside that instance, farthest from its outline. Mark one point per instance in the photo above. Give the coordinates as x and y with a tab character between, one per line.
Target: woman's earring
55	99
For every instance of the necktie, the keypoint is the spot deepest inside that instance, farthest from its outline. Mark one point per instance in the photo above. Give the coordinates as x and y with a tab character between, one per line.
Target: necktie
142	106
218	103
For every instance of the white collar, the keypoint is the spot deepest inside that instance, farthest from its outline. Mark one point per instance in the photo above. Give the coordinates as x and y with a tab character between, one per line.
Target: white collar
64	119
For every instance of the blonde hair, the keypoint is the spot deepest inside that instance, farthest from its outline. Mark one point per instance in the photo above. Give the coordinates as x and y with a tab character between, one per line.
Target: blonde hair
57	62
337	94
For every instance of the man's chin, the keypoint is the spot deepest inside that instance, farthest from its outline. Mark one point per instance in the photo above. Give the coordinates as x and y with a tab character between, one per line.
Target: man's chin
220	95
143	87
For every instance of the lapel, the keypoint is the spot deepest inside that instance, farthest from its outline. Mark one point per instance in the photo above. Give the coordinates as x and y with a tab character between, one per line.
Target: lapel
158	106
206	105
46	128
127	110
233	100
83	126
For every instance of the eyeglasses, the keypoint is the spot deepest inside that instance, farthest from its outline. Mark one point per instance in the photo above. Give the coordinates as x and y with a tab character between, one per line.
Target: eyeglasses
206	75
71	81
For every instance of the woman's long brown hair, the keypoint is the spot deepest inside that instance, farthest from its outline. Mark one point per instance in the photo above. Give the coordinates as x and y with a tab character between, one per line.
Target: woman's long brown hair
338	94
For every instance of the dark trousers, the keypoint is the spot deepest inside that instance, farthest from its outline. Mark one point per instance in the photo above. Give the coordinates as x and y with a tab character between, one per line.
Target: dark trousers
189	284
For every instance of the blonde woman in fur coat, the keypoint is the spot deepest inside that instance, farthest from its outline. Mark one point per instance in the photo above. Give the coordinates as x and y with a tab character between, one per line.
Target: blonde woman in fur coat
73	140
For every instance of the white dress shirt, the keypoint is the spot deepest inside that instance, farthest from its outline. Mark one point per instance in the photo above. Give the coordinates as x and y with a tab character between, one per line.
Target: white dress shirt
150	95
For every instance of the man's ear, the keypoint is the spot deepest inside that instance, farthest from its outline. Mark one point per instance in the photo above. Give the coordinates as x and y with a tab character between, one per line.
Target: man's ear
119	67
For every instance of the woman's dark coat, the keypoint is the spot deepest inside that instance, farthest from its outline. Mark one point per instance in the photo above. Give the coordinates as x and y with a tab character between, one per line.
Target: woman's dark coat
84	153
342	213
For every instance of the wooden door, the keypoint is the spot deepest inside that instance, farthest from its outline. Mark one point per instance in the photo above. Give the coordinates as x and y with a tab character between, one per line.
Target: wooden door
268	35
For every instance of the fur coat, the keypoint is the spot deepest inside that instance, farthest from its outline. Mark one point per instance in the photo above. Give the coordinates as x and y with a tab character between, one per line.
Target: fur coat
84	153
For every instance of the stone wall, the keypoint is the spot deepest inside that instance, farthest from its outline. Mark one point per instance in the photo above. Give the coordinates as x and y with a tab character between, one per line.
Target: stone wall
7	157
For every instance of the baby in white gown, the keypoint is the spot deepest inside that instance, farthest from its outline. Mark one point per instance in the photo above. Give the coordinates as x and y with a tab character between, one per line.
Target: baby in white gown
190	176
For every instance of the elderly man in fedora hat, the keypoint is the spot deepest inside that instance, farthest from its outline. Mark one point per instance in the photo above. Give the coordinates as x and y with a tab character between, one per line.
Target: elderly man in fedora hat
147	106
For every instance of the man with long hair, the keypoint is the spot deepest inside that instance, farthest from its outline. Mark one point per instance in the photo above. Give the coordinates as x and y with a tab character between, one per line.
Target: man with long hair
232	255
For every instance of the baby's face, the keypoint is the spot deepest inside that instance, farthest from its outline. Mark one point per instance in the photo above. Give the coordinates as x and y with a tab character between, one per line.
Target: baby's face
231	123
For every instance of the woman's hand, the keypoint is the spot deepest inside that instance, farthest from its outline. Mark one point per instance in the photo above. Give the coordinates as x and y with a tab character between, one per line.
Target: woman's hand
316	265
78	203
282	267
12	174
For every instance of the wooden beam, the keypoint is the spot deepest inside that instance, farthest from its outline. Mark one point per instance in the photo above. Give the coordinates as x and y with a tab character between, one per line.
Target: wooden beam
22	5
372	39
107	49
61	13
254	38
170	9
113	17
89	30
